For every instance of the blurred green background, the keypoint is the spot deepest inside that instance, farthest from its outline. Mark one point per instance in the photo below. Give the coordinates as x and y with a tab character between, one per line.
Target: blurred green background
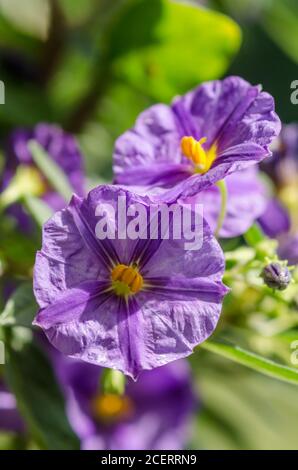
92	66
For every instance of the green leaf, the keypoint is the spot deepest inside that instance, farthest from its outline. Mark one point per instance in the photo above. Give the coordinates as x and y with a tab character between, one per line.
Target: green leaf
51	170
30	377
280	21
253	361
21	308
164	48
39	210
254	235
17	250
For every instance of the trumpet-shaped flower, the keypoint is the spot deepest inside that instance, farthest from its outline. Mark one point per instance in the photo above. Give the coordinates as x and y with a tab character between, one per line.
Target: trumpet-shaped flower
126	303
154	413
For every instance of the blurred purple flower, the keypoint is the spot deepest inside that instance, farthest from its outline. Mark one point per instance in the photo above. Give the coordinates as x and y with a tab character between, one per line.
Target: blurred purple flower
282	166
154	413
10	419
126	304
275	219
288	249
217	129
60	146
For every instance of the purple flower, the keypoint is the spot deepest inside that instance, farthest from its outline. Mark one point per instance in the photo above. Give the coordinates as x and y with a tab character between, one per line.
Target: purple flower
288	249
61	147
154	413
217	129
10	420
275	219
126	304
282	166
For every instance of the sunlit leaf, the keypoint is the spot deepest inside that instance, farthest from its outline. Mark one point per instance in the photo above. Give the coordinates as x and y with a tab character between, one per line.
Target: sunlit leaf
31	16
164	48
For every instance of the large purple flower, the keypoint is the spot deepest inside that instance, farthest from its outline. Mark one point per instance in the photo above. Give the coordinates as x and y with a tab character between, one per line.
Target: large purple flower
153	414
10	419
60	146
122	303
217	129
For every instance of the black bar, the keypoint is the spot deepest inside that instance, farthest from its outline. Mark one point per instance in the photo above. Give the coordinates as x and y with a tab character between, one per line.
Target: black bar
137	459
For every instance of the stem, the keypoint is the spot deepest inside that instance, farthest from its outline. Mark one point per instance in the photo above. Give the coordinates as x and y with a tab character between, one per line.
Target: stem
223	207
55	43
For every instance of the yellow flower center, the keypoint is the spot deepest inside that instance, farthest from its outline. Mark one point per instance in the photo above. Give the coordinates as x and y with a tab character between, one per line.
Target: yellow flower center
109	407
194	150
126	280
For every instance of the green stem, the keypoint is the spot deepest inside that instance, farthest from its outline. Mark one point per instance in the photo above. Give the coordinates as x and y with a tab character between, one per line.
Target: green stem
223	207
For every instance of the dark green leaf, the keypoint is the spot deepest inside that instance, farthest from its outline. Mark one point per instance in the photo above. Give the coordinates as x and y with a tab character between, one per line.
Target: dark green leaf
21	308
31	378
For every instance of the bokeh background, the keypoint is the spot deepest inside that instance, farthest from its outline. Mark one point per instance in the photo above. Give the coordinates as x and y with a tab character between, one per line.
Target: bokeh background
91	66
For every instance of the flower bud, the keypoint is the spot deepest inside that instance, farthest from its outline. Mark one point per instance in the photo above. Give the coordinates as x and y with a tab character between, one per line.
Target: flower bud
276	275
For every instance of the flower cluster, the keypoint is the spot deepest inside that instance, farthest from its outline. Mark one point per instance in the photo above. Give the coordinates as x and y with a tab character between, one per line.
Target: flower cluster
136	300
138	304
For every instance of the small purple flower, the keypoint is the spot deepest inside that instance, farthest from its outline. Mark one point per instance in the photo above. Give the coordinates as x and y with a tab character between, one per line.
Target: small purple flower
10	419
126	304
60	146
153	414
213	131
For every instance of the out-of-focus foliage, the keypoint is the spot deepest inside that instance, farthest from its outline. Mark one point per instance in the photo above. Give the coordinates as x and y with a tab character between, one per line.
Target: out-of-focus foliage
243	410
177	48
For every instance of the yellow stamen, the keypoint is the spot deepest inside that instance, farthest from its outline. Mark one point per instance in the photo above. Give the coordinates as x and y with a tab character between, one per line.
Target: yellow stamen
109	407
193	149
126	280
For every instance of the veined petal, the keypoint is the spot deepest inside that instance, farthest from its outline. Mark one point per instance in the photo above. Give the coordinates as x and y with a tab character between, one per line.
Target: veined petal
72	304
